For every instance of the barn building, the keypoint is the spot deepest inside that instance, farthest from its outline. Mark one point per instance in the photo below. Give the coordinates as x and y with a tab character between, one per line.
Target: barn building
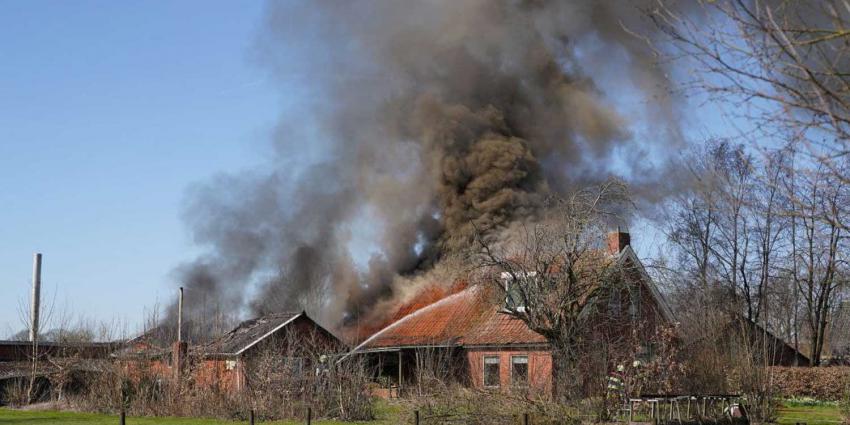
227	361
294	338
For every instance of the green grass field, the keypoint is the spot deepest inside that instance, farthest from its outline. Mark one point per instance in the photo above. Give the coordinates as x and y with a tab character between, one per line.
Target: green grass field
810	415
387	415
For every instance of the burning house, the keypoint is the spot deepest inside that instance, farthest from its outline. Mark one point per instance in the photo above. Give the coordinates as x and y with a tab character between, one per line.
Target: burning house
490	348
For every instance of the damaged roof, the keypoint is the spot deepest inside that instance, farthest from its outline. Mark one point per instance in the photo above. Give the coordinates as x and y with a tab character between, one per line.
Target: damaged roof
249	333
149	344
465	318
470	318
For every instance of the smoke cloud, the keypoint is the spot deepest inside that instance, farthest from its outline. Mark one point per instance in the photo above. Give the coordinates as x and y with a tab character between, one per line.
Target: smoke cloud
422	121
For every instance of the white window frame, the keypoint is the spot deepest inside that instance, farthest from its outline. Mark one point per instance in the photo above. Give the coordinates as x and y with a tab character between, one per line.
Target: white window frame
507	278
484	358
527	370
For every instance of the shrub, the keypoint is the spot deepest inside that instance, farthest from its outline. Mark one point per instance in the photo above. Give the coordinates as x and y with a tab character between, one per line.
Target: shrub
460	405
277	386
821	383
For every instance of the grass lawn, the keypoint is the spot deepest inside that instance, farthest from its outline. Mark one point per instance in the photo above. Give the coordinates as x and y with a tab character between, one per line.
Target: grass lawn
386	415
810	415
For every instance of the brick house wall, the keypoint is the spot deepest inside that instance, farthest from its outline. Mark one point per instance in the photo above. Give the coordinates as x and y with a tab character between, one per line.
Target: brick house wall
539	367
300	338
473	321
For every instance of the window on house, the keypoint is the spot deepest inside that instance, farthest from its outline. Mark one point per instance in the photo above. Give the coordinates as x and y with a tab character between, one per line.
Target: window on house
230	364
514	299
294	366
615	302
519	371
634	304
491	371
646	353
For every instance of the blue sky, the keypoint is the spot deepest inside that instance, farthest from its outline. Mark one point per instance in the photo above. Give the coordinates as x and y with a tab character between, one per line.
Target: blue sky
111	111
108	112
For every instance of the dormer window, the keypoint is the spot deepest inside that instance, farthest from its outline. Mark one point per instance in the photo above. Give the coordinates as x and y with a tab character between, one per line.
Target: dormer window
514	300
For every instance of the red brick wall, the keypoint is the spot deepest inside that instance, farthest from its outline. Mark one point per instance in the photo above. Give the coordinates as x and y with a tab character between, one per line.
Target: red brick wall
136	369
214	373
539	368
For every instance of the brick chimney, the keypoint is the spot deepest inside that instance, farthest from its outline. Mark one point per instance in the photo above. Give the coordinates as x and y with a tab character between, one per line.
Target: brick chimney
618	241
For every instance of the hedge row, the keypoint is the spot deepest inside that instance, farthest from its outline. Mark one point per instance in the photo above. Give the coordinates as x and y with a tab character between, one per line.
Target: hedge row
822	383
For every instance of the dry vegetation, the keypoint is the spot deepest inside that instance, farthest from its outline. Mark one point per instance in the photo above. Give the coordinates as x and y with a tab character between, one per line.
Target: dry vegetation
283	380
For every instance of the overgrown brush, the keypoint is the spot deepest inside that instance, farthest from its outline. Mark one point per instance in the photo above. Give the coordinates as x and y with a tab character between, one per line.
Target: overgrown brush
279	382
475	407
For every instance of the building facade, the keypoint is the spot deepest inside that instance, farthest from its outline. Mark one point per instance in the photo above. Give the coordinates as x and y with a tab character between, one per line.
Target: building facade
491	349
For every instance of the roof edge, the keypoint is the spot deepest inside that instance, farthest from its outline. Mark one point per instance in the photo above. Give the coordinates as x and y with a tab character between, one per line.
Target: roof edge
666	311
267	334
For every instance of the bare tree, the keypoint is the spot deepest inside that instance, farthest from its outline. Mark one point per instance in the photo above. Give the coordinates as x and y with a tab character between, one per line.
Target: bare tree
555	272
781	66
818	255
723	227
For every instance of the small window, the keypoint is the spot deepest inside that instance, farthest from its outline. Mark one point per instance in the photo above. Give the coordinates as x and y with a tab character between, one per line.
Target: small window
615	303
514	299
294	366
491	371
634	305
646	353
230	364
519	371
513	296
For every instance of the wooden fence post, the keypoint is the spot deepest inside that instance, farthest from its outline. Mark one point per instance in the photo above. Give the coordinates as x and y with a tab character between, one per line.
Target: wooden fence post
525	419
251	417
309	415
122	416
416	417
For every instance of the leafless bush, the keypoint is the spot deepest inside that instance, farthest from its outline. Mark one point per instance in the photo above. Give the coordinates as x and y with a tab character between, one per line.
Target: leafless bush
16	393
287	376
436	370
616	366
279	378
728	354
459	404
752	374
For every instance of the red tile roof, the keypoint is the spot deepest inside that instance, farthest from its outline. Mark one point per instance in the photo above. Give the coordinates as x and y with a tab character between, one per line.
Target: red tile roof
471	318
466	318
429	294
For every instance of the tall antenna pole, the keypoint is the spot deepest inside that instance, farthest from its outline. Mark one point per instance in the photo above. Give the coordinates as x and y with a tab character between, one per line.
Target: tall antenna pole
36	296
180	316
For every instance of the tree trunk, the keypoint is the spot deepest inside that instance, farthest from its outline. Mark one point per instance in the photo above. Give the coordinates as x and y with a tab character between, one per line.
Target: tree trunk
564	361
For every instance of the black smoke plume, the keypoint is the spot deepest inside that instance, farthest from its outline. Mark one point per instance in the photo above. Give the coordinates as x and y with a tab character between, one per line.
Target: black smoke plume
421	121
